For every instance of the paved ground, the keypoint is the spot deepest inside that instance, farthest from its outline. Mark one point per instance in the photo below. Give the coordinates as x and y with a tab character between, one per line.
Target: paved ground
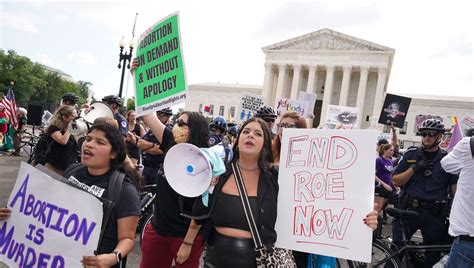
8	171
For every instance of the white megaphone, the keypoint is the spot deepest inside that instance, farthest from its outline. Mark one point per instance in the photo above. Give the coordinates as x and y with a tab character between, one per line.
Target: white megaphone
188	169
79	126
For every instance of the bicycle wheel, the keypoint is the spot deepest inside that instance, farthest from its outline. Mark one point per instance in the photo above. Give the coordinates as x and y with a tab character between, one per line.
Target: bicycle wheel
142	229
380	251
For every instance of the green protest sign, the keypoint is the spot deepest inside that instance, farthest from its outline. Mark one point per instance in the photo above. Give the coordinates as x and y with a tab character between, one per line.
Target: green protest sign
160	79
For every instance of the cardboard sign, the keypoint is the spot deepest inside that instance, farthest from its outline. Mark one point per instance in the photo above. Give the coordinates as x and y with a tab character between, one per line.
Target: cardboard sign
466	123
160	79
309	98
326	180
284	105
341	116
420	118
249	104
52	224
394	110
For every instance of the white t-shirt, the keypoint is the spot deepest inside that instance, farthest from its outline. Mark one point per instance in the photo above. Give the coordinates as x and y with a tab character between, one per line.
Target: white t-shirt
461	161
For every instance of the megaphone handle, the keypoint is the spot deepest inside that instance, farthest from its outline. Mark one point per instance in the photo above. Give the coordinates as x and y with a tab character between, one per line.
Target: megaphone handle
211	189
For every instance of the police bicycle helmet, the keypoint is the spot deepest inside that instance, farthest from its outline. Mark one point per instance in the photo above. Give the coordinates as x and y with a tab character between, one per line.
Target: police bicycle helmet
432	125
113	99
266	112
69	96
166	111
219	122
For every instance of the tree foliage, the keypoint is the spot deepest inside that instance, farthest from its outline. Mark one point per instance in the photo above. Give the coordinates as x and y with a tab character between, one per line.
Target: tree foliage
34	83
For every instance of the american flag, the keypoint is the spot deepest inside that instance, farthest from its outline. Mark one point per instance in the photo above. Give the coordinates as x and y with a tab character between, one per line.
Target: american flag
8	101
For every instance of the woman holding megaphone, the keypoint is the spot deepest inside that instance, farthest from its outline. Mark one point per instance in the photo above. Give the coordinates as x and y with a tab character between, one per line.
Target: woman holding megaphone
169	236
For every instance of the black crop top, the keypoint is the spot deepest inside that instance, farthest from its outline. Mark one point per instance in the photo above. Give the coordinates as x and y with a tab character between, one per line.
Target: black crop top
229	212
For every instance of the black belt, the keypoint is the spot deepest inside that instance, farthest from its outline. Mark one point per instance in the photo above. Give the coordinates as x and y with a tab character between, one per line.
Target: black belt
417	203
466	238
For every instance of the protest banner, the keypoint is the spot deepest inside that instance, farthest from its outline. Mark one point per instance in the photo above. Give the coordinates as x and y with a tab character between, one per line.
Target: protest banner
343	116
52	224
420	118
160	79
284	105
467	122
309	98
326	180
249	105
394	110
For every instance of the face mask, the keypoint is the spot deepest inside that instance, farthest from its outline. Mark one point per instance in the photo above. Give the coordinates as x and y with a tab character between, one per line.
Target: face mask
180	134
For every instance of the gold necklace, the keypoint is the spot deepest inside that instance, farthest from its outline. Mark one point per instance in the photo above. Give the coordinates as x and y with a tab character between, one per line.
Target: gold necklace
246	168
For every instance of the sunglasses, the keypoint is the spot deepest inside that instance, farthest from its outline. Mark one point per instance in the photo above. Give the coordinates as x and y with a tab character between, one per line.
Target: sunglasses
181	123
286	126
269	120
429	134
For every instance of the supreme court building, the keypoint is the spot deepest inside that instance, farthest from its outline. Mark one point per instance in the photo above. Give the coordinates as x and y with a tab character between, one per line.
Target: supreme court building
340	69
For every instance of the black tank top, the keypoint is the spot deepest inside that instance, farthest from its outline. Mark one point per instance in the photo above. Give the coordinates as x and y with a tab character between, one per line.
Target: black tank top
229	212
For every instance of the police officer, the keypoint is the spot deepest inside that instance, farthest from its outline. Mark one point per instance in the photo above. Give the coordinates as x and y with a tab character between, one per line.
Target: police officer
268	114
153	156
217	129
69	98
425	187
115	103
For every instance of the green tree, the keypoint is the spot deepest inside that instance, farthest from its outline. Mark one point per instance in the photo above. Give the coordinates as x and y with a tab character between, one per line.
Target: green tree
131	103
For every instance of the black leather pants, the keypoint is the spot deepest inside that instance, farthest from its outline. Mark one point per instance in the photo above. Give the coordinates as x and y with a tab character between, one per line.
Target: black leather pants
228	252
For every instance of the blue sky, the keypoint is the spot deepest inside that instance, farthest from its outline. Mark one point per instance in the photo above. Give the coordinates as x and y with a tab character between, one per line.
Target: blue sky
222	40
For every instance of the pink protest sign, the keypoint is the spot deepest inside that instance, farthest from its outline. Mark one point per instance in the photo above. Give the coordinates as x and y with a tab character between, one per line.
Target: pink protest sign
326	180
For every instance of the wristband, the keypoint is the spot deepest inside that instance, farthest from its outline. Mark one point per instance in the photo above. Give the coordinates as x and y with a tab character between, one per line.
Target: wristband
187	243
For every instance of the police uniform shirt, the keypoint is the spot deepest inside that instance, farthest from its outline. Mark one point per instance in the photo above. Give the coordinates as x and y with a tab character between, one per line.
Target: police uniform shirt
214	139
122	122
434	186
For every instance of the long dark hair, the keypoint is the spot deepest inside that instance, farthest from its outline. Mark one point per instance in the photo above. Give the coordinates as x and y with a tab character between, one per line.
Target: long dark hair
198	129
116	140
265	161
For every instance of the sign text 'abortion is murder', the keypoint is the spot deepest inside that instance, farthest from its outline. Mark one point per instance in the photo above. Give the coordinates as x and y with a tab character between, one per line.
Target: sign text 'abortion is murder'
160	79
326	180
52	224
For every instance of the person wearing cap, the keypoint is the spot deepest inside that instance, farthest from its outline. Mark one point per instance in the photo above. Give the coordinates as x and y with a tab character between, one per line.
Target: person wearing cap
268	114
461	161
425	188
69	99
217	129
153	156
115	102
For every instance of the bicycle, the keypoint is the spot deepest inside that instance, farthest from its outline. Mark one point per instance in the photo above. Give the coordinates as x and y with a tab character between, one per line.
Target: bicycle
28	142
147	208
410	253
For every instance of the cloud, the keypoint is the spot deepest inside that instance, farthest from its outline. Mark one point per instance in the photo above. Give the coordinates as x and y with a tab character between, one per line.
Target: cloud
18	22
47	60
459	45
308	17
82	57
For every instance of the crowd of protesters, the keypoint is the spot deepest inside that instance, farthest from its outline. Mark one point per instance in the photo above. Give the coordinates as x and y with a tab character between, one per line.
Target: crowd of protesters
119	147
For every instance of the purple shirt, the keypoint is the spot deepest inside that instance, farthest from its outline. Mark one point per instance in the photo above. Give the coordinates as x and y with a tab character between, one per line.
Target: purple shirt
384	169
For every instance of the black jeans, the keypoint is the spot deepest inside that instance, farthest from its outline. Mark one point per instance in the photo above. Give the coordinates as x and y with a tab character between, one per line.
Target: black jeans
229	252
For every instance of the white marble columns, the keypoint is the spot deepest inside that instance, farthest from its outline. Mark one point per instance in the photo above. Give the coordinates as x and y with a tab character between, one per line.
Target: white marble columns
379	91
267	84
296	81
312	78
364	73
327	91
346	79
281	81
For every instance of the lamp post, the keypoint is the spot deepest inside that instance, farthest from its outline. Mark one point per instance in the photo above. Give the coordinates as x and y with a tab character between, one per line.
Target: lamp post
124	56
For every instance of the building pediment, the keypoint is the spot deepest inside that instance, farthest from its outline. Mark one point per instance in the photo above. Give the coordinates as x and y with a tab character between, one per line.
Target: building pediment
324	40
